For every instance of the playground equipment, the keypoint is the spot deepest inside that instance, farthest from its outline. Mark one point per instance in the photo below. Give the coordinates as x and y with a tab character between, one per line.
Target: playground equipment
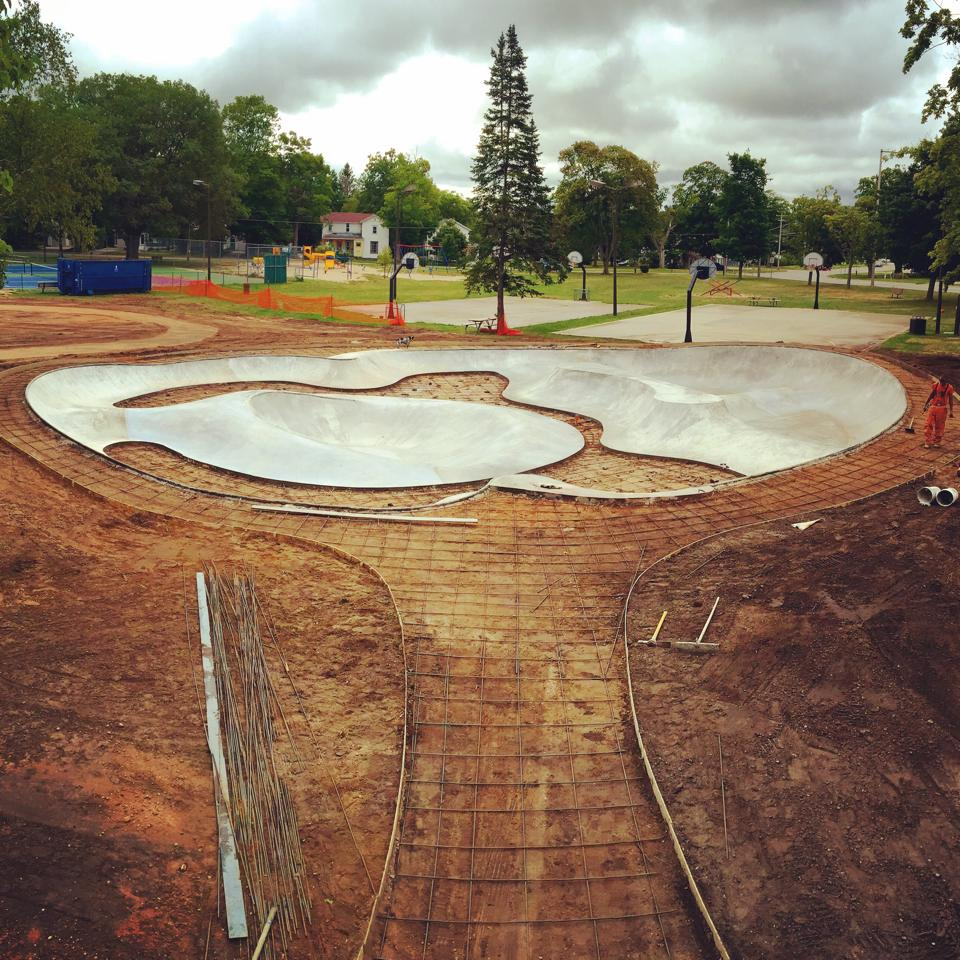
328	258
724	287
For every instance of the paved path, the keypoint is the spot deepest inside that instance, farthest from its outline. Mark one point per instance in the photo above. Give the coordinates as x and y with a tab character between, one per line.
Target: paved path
840	277
521	312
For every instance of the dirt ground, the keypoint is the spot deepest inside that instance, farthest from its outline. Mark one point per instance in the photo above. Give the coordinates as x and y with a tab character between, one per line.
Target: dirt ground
838	646
107	827
836	700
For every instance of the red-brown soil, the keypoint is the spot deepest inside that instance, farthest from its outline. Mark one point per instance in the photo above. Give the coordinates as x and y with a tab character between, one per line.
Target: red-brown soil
836	698
523	777
107	827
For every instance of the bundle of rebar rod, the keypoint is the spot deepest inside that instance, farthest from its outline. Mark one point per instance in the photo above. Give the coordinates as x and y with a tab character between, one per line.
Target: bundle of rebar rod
261	809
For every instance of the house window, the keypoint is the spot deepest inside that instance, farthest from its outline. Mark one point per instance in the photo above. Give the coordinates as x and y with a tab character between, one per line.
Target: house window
374	247
374	229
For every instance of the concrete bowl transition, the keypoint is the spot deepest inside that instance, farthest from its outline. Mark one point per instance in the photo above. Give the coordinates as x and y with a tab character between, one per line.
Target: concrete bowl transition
751	409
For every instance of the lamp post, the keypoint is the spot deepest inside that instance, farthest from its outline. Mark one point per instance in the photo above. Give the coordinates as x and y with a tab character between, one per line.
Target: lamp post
615	192
203	183
409	188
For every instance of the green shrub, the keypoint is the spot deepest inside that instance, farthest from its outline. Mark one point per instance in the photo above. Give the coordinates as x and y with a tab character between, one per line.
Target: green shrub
5	251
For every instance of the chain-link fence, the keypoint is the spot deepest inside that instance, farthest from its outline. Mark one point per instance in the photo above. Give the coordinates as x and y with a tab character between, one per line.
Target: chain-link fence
188	248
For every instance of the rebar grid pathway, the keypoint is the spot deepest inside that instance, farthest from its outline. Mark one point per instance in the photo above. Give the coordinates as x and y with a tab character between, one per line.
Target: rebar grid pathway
527	821
528	829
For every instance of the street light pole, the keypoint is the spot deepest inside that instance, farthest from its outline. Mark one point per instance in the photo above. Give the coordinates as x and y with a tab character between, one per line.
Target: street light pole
616	222
615	192
203	183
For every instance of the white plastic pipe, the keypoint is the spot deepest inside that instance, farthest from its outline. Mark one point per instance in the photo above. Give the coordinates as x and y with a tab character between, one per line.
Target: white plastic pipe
947	497
927	495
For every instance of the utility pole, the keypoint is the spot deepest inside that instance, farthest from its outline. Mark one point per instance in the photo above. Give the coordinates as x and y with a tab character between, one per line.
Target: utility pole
884	155
614	191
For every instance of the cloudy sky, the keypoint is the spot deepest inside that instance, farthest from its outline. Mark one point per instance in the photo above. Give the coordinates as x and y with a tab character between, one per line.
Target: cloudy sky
815	86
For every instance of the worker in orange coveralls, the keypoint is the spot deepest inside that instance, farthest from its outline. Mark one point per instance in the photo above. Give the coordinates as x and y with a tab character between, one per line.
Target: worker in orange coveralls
936	407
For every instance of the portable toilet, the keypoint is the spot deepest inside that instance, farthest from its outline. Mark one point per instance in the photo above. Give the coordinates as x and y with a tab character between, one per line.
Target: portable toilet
275	268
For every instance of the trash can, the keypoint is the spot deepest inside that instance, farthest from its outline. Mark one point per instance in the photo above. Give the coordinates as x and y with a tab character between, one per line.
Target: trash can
918	326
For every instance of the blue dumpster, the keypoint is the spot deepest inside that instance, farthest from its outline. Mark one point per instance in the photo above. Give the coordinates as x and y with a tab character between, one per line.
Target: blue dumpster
87	277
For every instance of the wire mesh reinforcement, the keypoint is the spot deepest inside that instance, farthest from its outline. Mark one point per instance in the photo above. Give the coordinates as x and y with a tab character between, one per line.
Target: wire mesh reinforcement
261	810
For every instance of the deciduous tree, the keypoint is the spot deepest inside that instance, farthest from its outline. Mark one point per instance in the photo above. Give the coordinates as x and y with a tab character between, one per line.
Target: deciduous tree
696	199
452	241
926	26
855	232
32	53
745	210
607	199
939	180
809	231
52	147
411	201
157	138
663	226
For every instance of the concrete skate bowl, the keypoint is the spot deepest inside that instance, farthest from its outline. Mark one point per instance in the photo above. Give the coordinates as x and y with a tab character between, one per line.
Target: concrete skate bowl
753	410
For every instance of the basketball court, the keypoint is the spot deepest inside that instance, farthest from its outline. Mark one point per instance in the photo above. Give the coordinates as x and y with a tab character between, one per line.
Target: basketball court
733	323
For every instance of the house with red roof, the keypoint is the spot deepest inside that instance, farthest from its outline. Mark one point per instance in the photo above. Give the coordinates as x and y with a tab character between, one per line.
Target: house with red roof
359	234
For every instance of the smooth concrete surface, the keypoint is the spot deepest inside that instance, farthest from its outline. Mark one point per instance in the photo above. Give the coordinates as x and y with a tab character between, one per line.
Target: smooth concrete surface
751	409
741	323
520	311
363	442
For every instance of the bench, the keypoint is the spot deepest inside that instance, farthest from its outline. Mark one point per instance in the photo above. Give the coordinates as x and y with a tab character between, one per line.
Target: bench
896	293
43	284
769	301
488	323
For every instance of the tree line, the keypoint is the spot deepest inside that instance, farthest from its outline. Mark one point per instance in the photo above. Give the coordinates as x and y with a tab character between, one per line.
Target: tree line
122	154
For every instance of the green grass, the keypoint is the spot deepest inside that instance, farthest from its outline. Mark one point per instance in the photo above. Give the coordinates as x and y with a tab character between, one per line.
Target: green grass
946	343
657	291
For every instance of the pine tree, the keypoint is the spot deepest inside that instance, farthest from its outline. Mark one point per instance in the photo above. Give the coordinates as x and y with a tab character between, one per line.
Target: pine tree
512	227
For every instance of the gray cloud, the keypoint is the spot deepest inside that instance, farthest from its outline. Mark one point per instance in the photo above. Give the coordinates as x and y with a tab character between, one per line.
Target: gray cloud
815	87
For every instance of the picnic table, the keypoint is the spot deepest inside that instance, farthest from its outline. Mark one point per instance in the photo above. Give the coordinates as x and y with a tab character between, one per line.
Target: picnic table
755	301
488	323
896	293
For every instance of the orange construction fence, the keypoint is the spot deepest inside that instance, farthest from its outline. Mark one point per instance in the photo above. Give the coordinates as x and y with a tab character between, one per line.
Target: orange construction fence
269	299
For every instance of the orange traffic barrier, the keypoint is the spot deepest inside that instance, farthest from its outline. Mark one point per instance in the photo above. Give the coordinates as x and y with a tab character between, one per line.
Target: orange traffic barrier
267	298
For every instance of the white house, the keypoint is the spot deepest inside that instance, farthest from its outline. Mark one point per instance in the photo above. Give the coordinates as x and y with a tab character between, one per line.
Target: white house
462	227
362	234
